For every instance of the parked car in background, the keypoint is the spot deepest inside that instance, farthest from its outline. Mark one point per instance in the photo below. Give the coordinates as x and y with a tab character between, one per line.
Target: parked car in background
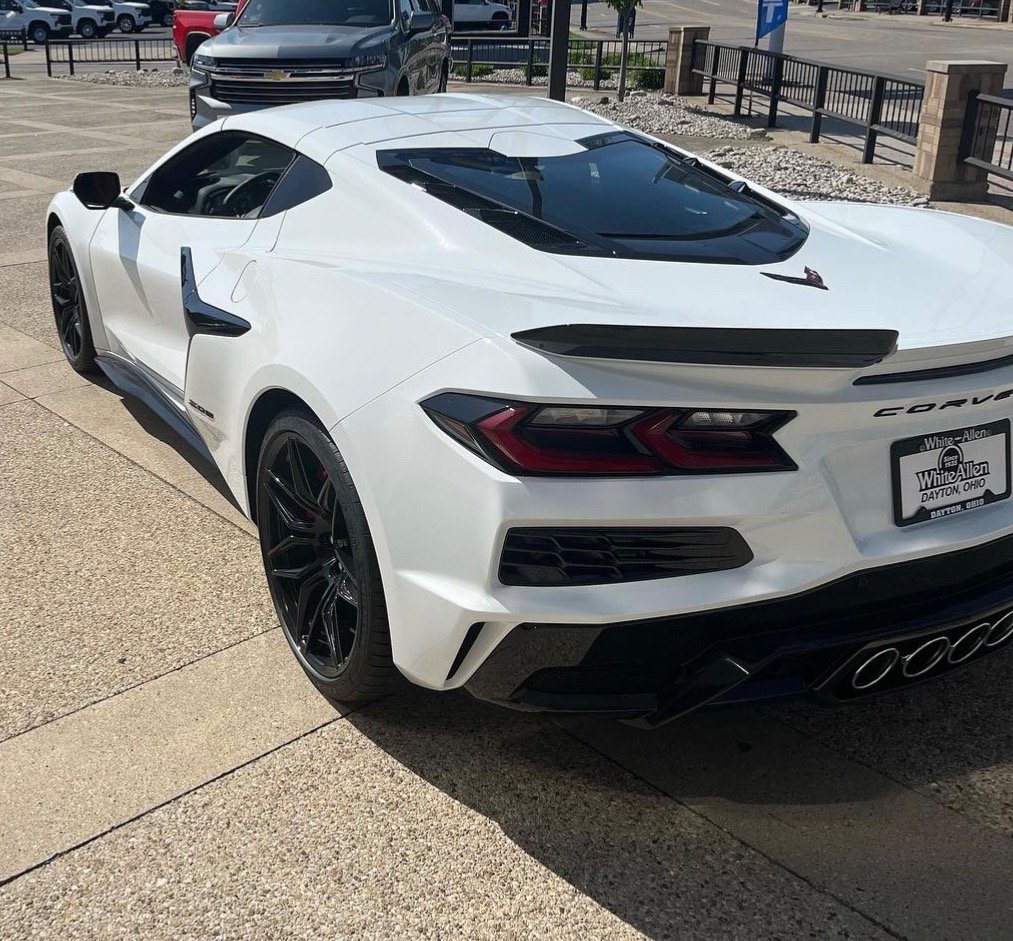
284	51
481	14
41	22
89	19
193	25
130	17
162	11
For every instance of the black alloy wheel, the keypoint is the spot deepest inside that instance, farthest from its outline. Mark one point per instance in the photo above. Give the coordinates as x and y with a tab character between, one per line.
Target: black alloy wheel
69	307
320	563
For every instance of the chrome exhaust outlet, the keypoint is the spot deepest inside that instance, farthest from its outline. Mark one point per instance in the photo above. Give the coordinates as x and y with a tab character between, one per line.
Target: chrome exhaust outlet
968	645
1001	631
927	657
875	669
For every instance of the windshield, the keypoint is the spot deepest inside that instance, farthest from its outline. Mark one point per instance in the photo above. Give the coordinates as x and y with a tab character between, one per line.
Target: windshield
316	13
622	194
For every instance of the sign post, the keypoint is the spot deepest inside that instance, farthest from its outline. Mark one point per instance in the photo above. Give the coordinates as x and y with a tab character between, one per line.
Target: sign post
771	16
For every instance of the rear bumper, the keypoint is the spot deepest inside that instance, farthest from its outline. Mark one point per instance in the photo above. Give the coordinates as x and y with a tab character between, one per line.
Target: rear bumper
811	643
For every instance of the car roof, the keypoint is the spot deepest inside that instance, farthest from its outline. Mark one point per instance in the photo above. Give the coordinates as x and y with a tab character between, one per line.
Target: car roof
321	128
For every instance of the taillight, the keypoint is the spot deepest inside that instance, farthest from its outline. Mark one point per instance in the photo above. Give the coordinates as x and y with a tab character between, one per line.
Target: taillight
578	440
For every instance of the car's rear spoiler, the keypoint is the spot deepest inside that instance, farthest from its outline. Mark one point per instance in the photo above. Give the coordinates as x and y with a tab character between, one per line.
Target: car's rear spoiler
715	346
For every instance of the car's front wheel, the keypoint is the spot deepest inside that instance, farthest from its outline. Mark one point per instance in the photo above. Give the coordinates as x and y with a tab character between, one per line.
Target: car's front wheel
126	23
320	563
39	33
69	307
167	20
87	29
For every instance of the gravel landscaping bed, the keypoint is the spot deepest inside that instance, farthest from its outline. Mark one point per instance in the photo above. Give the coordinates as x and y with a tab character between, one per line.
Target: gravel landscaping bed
802	176
662	114
152	78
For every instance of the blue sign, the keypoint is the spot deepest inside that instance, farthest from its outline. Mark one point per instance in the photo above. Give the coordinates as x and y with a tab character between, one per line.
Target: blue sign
769	15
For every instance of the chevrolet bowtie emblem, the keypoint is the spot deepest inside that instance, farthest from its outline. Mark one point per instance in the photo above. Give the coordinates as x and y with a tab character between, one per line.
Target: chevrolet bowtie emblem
277	76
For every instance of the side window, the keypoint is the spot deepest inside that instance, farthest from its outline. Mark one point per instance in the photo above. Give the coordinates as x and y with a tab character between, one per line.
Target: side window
228	175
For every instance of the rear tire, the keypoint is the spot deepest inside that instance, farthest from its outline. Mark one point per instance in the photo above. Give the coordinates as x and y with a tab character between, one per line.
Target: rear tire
69	308
126	23
320	562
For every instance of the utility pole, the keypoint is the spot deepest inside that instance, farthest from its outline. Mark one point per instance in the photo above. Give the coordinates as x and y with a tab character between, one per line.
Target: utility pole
559	46
583	14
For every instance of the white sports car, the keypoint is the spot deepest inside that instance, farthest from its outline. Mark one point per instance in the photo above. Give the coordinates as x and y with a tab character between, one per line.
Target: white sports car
526	402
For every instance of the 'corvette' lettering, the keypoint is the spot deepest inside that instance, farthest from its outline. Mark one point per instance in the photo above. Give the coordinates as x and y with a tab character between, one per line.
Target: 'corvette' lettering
920	408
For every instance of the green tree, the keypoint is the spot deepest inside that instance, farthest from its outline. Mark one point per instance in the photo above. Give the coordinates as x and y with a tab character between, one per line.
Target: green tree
623	9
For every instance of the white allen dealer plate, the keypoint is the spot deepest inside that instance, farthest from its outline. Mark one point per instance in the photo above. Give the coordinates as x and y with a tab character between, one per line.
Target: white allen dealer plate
948	472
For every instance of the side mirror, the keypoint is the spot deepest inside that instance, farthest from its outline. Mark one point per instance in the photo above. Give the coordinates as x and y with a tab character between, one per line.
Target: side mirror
100	191
224	21
419	21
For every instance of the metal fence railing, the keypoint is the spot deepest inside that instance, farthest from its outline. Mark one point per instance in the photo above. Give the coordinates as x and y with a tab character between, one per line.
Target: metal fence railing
878	104
595	60
74	52
12	39
988	135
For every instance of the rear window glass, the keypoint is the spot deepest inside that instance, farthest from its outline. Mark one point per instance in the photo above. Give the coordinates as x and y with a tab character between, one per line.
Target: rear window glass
620	195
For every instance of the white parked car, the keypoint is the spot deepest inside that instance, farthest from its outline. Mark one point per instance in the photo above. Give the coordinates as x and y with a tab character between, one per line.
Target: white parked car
90	20
481	14
524	401
41	22
130	17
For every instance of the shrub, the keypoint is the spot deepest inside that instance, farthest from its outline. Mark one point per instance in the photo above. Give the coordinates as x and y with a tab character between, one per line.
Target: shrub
478	70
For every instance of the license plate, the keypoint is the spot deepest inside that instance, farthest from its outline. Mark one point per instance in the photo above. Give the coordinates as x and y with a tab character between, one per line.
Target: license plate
949	472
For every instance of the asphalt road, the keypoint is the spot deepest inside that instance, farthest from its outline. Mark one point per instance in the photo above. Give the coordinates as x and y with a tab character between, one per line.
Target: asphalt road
166	772
898	44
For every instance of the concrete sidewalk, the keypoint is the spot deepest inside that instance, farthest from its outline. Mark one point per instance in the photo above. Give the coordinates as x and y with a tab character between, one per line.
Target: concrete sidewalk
167	772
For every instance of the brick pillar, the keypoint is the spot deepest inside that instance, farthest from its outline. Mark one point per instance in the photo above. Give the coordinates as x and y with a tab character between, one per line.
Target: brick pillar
937	163
679	77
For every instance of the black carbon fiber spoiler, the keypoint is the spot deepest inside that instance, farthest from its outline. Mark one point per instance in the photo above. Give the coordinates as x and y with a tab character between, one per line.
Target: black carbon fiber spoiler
715	346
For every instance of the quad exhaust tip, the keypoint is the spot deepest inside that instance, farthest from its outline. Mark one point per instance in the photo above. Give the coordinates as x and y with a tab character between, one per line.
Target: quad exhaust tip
928	655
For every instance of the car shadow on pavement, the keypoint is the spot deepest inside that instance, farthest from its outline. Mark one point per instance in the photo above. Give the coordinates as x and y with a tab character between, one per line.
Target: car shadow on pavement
614	837
649	858
154	426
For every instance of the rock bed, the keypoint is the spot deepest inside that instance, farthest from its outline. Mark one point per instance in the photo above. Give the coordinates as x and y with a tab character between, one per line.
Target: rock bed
147	78
801	176
662	114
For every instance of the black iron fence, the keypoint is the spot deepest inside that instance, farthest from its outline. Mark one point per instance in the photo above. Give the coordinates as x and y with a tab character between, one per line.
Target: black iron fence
74	52
878	104
594	60
988	135
12	40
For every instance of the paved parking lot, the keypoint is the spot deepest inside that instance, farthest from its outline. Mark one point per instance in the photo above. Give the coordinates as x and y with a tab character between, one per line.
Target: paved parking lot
166	772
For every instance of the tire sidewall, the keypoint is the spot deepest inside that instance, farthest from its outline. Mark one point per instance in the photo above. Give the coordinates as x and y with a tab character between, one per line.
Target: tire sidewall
84	362
372	632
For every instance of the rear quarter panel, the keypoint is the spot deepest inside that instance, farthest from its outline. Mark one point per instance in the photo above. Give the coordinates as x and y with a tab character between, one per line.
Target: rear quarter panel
331	337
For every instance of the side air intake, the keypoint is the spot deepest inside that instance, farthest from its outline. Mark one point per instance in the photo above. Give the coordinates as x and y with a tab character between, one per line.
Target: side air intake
557	557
